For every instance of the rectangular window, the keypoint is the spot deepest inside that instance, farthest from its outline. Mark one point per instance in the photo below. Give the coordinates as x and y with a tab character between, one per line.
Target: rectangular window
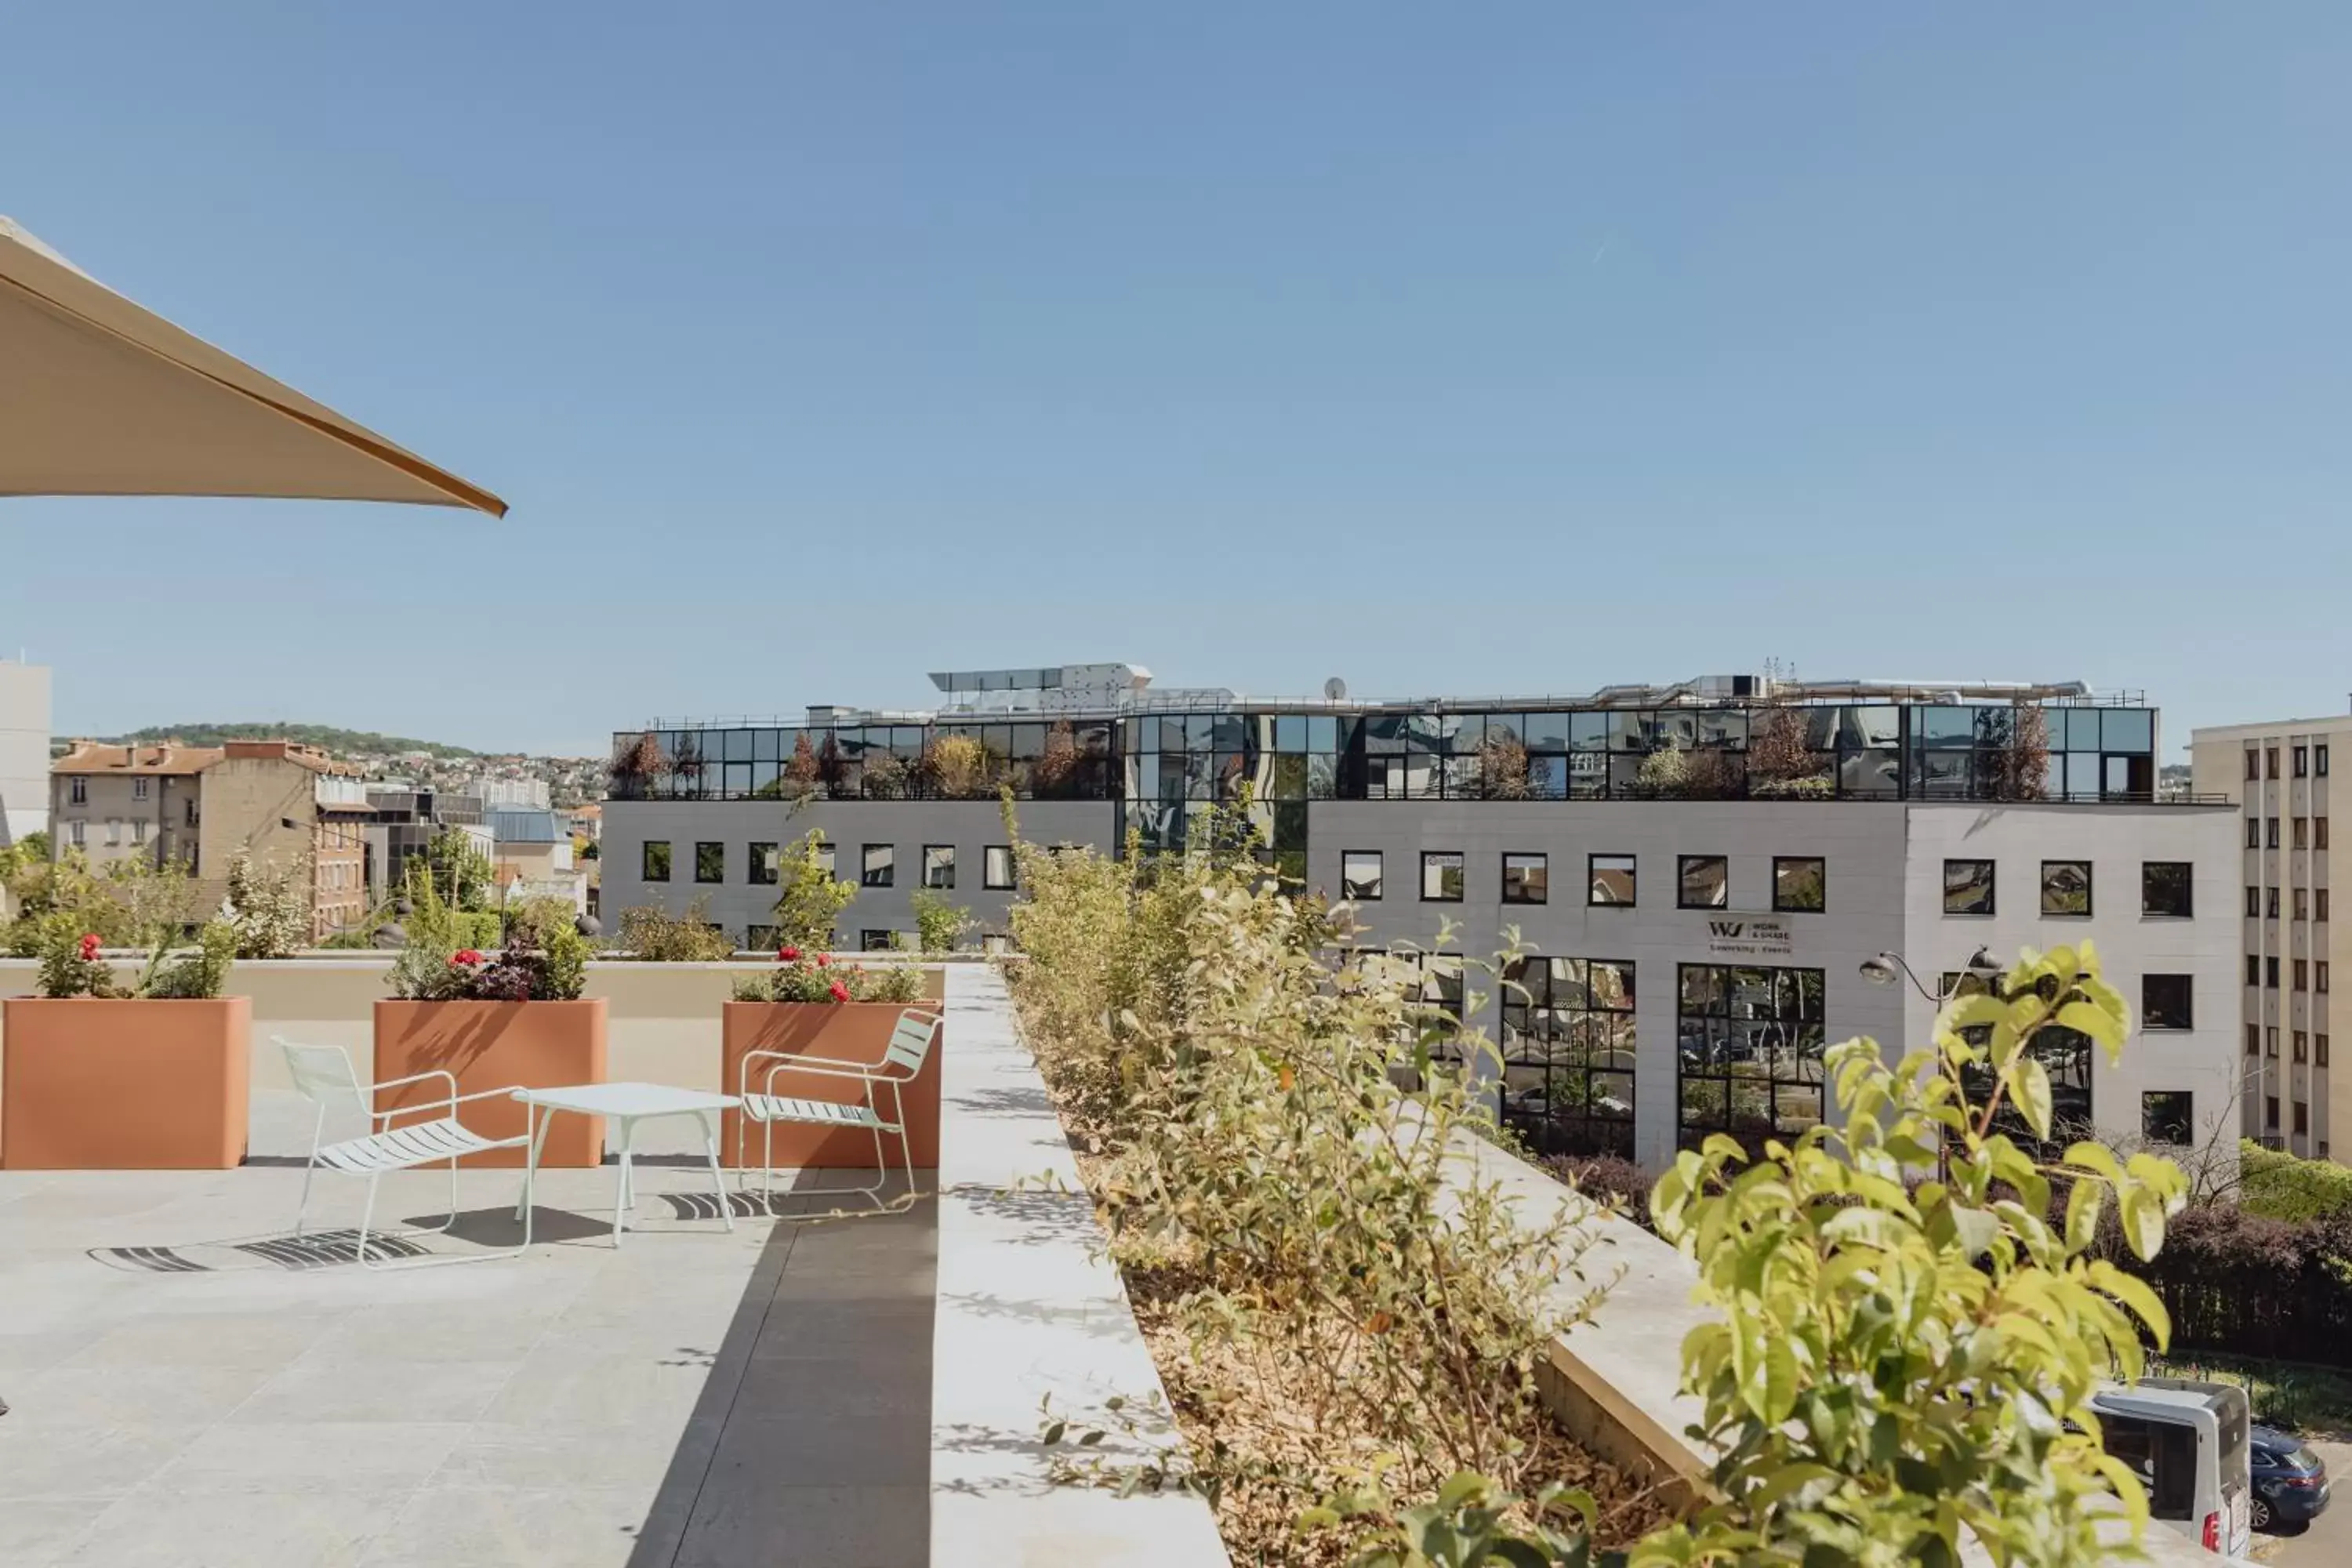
114	830
1568	1054
2270	1042
2269	974
78	790
654	860
2319	759
2166	1116
77	832
2319	904
139	789
938	866
1527	879
2270	1116
2270	760
2300	838
2302	1120
2302	904
996	868
1702	882
2254	764
872	941
758	938
1968	887
763	868
2253	1040
2302	974
1359	876
1749	1058
2319	1042
2164	888
2319	975
2302	760
2270	832
2065	887
824	861
2270	903
709	862
2253	904
2165	1002
2254	833
2319	833
1609	880
878	866
1441	876
138	830
1800	884
2301	1046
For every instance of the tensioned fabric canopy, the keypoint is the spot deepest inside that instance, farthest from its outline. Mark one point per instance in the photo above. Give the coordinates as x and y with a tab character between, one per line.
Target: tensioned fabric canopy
99	396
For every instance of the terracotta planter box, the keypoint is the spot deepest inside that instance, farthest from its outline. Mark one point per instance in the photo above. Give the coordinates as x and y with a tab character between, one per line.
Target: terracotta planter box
89	1084
842	1031
493	1045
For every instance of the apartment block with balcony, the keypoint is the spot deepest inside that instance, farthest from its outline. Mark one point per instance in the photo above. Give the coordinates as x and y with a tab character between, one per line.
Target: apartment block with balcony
1699	871
278	802
2292	949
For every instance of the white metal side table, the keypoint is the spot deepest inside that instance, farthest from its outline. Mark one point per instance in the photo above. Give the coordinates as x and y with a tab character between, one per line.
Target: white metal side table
626	1104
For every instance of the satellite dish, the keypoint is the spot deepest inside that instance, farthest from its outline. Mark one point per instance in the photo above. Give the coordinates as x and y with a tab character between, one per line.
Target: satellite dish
1335	688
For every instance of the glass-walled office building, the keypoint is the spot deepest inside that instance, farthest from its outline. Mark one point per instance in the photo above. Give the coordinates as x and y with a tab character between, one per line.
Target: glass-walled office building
1697	871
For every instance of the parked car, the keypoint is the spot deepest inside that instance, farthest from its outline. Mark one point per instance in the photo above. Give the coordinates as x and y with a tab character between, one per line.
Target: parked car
2290	1481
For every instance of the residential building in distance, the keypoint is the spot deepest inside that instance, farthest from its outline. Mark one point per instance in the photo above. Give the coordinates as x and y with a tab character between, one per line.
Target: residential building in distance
277	802
2277	772
404	819
1701	872
530	856
129	803
24	751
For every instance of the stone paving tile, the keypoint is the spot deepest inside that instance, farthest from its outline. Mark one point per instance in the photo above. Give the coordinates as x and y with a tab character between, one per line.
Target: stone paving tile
41	1457
504	1527
306	1527
255	1457
808	1527
376	1391
35	1532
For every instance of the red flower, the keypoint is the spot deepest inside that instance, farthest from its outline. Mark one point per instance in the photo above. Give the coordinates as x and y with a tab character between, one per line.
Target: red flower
840	991
90	946
788	955
465	959
823	960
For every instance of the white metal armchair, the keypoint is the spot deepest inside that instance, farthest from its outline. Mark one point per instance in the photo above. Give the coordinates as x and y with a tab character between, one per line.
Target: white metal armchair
902	1061
324	1074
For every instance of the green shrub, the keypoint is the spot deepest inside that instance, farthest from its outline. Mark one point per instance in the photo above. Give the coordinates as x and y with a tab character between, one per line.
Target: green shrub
72	964
656	935
939	922
809	897
2278	1185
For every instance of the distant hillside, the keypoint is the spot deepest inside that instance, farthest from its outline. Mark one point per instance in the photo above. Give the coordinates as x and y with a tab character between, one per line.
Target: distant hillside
326	737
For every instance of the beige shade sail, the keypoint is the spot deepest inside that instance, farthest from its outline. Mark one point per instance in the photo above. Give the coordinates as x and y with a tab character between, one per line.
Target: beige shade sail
99	396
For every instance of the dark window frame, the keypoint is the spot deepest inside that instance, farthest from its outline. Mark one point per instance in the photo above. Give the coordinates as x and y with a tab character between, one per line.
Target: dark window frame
762	875
926	869
2185	872
1516	882
1434	859
1821	884
645	859
1724	1032
1592	899
2163	1112
991	856
1348	883
867	939
1683	864
2182	998
2302	762
1991	888
1578	1045
2089	902
707	850
865	868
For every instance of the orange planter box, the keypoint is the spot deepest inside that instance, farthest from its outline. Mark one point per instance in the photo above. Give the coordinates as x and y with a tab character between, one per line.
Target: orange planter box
92	1085
837	1031
497	1044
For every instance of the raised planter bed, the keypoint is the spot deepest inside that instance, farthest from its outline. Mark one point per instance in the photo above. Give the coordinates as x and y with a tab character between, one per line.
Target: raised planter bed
89	1084
837	1031
489	1045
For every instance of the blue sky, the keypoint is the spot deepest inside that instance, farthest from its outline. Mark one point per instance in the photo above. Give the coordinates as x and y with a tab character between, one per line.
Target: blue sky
1516	347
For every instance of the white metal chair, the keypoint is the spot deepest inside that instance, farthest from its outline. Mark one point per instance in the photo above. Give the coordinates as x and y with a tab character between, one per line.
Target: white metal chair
324	1074
916	1031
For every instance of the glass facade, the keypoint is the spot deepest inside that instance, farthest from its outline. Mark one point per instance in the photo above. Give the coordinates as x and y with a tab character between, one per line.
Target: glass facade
1568	1054
1748	1051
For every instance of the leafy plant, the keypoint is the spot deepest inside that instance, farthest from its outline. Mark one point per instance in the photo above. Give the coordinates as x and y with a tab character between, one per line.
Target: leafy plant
1503	769
958	767
1892	1366
73	965
459	872
814	978
537	964
887	777
809	898
939	922
654	934
269	910
637	762
2278	1185
800	776
1055	772
1780	758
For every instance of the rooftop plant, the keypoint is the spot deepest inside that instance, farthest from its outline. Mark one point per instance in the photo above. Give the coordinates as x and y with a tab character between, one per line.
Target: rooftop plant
651	933
809	897
73	965
537	964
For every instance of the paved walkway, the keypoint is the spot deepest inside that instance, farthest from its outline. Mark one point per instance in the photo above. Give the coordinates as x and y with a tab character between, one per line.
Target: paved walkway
189	1390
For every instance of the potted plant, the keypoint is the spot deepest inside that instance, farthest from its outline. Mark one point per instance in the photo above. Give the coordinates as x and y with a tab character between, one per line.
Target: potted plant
810	1005
152	1073
511	1016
